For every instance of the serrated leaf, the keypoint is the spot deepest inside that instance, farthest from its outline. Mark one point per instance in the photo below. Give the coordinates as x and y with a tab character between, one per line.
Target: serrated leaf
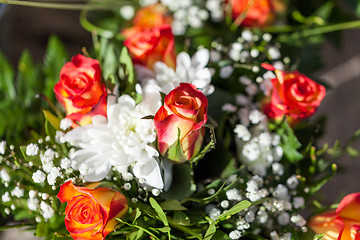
172	205
289	142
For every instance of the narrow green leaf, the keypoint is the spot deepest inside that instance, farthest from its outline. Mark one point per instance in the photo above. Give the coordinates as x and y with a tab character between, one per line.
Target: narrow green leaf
42	229
53	120
210	231
172	205
159	211
235	209
181	218
137	215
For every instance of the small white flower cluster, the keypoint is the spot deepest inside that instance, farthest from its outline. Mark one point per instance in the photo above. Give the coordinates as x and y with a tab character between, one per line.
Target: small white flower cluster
2	147
186	13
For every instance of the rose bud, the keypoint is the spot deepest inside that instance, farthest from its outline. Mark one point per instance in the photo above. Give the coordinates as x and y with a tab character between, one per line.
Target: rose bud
342	223
91	213
179	123
293	95
80	89
152	45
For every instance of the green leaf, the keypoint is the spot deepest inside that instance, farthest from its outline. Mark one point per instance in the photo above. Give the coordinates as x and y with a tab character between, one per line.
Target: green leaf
289	142
42	229
137	215
53	120
208	147
175	151
136	235
6	79
159	211
210	231
235	209
172	205
127	64
181	218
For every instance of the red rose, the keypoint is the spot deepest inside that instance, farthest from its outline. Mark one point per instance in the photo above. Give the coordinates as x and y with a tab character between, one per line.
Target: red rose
342	223
91	214
80	89
256	12
147	46
179	122
293	94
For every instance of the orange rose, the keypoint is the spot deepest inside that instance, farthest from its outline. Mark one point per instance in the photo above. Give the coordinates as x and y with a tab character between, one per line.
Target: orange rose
80	89
91	213
342	223
293	95
255	13
152	45
179	122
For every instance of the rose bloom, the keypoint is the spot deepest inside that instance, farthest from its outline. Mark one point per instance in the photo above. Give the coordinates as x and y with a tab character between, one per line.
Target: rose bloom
154	15
80	89
91	213
181	119
342	223
258	12
152	45
293	94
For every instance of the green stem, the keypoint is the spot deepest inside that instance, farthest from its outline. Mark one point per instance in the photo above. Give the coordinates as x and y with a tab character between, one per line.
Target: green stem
330	28
184	229
62	6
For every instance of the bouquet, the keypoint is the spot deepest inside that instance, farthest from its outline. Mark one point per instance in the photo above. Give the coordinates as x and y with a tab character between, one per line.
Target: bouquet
187	120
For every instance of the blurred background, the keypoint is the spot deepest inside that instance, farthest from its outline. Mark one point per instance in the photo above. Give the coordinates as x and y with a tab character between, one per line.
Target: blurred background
29	28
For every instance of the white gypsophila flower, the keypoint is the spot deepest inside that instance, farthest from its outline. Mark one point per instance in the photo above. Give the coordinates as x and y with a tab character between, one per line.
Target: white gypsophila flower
47	167
279	65
292	182
241	224
17	192
245	80
66	123
226	71
235	51
254	53
281	192
32	193
6	197
243	115
32	149
47	210
262	216
65	163
48	156
247	35
233	194
59	137
241	100
33	203
278	169
38	176
298	202
188	70
4	175
252	89
256	116
274	53
228	107
215	56
283	218
242	132
51	177
122	140
225	204
298	220
250	216
127	12
277	153
235	234
2	147
147	2
214	213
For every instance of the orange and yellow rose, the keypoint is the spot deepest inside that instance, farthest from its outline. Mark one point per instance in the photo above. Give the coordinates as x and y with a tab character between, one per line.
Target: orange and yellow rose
91	213
80	89
293	95
152	45
179	122
255	13
342	223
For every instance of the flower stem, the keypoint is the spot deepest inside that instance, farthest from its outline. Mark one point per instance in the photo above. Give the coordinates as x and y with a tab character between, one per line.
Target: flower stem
183	228
331	28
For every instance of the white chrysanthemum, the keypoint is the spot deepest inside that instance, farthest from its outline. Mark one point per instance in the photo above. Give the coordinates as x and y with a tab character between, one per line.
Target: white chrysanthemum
123	140
188	70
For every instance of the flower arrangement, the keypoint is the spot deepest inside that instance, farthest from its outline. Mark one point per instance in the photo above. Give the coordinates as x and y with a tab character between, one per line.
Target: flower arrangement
185	121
